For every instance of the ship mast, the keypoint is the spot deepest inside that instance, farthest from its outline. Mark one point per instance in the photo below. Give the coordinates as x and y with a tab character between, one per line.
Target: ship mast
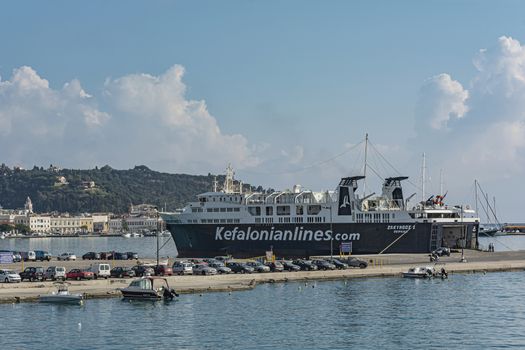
366	159
423	177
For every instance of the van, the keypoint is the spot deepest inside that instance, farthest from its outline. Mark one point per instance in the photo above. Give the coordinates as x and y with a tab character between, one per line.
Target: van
100	270
28	256
55	273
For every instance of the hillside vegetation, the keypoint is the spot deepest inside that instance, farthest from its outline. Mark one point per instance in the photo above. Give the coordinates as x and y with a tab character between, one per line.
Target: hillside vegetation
68	190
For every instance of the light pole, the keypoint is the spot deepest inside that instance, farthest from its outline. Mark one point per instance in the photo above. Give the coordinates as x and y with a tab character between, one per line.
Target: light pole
331	235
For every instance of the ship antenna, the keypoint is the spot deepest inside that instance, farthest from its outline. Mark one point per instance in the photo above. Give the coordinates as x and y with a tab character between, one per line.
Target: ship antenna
215	184
366	159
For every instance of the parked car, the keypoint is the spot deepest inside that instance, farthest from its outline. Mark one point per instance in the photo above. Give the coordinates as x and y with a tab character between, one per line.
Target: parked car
55	272
204	269
121	272
275	266
289	266
339	264
355	262
67	256
238	267
223	258
78	274
323	264
258	267
17	257
91	256
141	270
220	267
106	255
100	270
182	268
42	255
442	251
163	270
305	265
32	274
28	256
132	255
120	256
9	276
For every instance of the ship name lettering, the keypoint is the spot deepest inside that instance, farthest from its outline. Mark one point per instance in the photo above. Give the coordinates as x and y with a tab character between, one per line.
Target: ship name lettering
298	234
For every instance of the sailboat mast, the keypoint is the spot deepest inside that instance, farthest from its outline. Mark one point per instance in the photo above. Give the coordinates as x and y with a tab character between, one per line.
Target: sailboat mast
366	159
476	195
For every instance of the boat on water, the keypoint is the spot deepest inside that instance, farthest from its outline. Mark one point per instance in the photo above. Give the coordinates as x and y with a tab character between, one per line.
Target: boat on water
302	223
149	288
62	295
420	272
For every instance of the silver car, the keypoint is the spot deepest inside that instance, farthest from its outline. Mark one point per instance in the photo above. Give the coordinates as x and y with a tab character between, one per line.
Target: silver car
55	273
67	256
220	267
203	269
182	268
258	267
9	276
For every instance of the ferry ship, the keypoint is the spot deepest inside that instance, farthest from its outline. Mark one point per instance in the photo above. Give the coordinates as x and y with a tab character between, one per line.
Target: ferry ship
303	223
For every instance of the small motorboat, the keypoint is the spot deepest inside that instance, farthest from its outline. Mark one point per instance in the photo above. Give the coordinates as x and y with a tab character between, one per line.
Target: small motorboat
62	295
149	288
420	272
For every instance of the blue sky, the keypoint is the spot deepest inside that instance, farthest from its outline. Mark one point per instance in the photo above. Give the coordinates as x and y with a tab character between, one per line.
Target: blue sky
288	84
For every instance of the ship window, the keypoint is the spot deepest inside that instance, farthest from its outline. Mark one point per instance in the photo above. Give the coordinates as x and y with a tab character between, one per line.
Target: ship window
223	221
299	210
209	210
223	210
216	221
216	209
269	211
256	211
229	210
203	221
283	210
257	220
229	221
314	209
237	220
235	209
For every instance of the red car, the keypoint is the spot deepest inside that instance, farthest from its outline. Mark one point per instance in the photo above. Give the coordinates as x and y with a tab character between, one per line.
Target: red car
77	274
163	270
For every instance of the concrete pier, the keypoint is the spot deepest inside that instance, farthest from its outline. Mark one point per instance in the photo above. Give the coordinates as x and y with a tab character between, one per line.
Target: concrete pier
379	266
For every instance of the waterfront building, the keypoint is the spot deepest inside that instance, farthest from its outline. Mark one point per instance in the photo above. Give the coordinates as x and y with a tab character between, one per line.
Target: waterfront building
71	224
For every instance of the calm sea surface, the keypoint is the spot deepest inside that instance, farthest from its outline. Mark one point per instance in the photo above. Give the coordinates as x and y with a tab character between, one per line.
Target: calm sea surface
470	311
146	246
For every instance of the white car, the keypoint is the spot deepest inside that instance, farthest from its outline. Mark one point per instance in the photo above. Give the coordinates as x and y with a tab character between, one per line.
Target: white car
182	268
9	276
67	256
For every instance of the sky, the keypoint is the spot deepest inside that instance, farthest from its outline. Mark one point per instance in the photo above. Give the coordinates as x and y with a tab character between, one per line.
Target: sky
285	91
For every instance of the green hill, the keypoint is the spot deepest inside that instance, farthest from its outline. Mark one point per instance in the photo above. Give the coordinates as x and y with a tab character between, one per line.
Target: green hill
113	191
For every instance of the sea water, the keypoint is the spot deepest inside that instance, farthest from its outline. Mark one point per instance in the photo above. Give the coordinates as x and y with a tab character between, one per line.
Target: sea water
467	311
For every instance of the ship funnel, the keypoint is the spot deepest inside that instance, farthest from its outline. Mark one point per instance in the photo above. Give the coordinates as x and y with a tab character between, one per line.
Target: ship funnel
392	190
347	189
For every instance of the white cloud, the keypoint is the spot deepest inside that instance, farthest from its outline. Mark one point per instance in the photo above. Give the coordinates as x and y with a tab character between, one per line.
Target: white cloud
182	132
441	100
148	120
